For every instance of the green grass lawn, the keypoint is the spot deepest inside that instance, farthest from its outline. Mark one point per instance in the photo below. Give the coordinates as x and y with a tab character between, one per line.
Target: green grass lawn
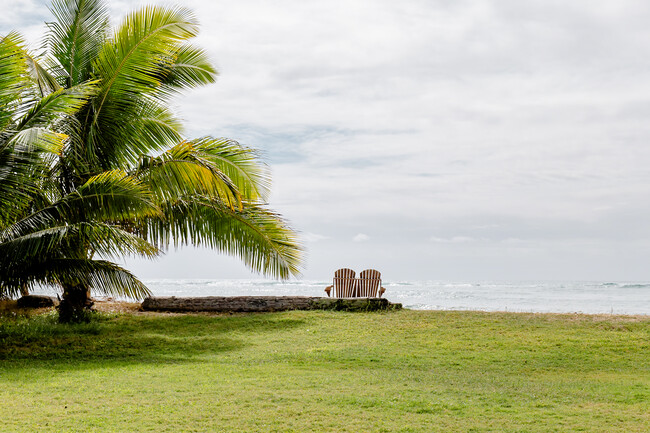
401	371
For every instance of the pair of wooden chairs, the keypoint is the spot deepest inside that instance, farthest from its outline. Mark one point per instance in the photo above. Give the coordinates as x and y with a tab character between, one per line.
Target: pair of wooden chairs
345	285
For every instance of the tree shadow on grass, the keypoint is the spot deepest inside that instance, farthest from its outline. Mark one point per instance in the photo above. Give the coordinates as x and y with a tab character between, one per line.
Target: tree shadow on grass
129	339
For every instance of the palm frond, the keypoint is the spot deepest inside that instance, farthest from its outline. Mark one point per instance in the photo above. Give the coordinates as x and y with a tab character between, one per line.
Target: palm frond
37	140
101	276
132	67
13	77
77	35
76	164
140	51
149	128
259	237
111	197
183	172
159	127
19	181
190	67
57	104
46	82
108	241
241	164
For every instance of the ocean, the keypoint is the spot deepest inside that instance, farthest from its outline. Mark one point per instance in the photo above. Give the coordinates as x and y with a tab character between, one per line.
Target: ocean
590	297
522	296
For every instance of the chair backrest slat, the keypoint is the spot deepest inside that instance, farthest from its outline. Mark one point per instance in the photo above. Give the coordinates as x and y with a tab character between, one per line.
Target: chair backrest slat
369	282
344	283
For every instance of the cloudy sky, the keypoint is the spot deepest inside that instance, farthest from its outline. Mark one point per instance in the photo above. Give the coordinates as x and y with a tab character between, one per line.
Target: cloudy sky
433	139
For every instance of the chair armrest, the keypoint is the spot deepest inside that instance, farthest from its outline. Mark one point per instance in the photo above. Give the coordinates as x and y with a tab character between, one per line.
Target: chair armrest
328	289
381	291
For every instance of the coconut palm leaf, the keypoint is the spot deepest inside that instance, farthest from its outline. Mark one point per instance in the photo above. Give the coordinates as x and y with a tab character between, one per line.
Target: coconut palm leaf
77	36
134	62
182	172
241	164
18	183
103	276
149	127
156	123
22	170
259	237
56	105
188	67
108	197
105	239
14	80
34	142
44	79
28	142
24	142
113	196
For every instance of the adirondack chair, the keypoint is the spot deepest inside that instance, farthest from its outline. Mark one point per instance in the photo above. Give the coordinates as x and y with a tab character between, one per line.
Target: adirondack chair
344	284
370	283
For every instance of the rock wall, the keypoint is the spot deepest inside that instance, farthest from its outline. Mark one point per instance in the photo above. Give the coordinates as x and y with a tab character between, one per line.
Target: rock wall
37	301
265	304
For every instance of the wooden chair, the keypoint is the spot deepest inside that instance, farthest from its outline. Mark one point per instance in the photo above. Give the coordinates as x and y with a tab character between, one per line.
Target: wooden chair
370	283
344	284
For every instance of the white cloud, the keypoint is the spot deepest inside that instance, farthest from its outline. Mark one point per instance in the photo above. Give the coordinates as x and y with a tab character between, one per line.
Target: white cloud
513	241
361	237
313	237
453	240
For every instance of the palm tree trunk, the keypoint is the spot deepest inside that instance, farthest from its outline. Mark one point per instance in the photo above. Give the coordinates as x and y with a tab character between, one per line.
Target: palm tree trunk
75	305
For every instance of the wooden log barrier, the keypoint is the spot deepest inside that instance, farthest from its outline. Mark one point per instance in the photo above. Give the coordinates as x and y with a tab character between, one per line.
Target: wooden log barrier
250	304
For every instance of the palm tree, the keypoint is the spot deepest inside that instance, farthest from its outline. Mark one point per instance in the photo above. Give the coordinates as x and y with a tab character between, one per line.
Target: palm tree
39	227
125	180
